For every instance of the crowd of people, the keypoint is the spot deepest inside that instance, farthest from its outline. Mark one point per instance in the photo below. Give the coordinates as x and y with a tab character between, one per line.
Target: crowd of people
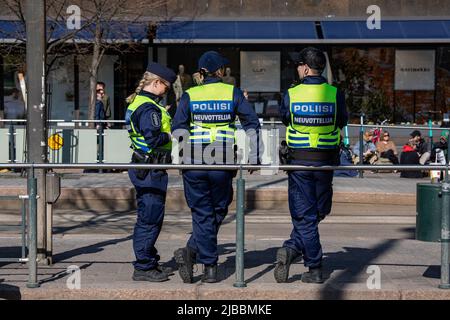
380	149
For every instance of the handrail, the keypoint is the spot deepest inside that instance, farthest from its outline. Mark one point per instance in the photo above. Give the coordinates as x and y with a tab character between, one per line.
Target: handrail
231	167
417	127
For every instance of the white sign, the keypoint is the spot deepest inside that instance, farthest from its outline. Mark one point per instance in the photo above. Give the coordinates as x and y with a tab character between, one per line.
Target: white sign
260	71
415	69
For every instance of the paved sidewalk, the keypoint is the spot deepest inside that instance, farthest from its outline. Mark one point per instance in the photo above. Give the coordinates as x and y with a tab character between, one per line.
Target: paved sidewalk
409	269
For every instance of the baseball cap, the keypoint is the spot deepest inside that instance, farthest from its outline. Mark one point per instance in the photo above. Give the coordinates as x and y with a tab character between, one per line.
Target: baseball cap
212	61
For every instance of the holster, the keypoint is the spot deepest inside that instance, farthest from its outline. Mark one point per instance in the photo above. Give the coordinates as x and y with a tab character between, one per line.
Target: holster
158	156
283	153
139	158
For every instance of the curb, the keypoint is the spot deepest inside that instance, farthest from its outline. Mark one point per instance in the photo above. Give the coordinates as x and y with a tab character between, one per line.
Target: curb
121	199
225	292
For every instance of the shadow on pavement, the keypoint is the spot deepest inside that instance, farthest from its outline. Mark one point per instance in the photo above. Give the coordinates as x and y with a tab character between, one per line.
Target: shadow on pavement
253	259
10	252
62	274
354	262
98	220
94	248
9	292
410	233
433	272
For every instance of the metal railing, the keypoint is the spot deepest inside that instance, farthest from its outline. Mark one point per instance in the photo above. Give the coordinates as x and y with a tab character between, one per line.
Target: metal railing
273	144
240	200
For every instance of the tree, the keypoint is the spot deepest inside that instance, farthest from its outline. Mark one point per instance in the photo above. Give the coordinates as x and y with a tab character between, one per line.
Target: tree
106	26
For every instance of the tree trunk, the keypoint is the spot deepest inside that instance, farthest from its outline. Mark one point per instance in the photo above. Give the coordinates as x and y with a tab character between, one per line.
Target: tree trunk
95	63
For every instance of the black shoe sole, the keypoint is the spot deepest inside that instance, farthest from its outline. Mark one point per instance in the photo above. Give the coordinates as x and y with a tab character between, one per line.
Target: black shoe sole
143	278
310	280
181	259
281	272
313	281
210	281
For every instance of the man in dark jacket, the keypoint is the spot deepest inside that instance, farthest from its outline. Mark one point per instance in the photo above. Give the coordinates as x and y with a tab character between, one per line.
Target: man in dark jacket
421	147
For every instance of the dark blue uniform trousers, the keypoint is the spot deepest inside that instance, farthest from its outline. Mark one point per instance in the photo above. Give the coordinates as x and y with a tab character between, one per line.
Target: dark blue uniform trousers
151	199
310	193
208	194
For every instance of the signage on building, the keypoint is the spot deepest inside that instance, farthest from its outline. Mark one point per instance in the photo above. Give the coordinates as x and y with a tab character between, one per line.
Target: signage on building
260	71
415	69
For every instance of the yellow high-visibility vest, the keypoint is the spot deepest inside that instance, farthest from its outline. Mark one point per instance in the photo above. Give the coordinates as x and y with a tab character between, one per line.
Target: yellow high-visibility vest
212	113
313	111
137	139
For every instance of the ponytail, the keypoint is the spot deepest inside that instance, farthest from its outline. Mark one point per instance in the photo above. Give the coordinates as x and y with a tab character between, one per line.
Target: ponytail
147	79
199	77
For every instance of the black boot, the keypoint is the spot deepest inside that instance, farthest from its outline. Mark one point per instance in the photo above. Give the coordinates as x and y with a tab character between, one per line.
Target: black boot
154	275
185	258
285	256
165	269
210	274
314	275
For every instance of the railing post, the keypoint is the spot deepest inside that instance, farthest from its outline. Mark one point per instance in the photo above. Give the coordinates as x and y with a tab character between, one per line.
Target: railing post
445	236
32	250
24	226
240	231
430	134
12	144
361	145
101	148
346	137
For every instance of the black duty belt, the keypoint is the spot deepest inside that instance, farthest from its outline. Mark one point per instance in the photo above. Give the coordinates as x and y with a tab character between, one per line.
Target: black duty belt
313	155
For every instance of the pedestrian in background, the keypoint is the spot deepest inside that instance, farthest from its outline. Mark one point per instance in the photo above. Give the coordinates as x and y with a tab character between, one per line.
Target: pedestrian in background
369	149
387	149
422	147
105	99
100	110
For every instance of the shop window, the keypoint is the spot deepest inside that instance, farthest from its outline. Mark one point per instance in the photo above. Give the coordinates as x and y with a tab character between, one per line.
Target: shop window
13	102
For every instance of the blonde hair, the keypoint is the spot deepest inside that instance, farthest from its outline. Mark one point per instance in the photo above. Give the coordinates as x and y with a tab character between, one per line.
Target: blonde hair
146	80
199	77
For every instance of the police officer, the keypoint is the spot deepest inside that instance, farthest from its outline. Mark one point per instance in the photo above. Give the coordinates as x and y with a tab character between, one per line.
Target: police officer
148	125
207	114
314	112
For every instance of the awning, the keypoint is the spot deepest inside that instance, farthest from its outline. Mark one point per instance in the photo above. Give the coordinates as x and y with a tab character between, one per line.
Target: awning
236	32
301	32
11	31
399	31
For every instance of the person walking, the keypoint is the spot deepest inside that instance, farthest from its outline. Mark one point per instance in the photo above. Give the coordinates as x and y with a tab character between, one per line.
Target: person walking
149	125
314	113
206	117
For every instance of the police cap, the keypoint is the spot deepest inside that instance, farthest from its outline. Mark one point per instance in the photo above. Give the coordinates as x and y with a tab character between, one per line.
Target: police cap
212	61
162	71
313	57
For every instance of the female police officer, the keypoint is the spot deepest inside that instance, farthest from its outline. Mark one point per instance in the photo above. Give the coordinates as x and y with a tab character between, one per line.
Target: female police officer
206	114
148	125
